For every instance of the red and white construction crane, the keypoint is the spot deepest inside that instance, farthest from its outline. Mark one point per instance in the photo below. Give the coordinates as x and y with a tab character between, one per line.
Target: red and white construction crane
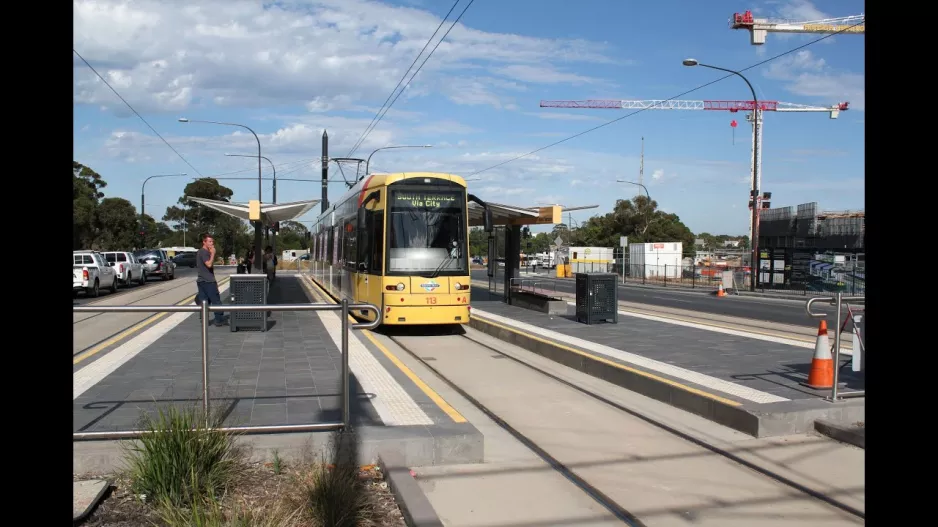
759	27
727	106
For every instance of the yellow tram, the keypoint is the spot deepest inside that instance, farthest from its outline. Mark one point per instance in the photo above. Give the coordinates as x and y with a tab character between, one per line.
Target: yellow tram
400	242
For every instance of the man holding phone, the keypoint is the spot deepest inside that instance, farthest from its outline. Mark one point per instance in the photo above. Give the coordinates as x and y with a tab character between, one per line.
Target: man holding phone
205	281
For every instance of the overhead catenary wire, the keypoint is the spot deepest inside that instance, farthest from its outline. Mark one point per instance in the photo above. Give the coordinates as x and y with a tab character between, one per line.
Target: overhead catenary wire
119	96
626	116
368	128
458	18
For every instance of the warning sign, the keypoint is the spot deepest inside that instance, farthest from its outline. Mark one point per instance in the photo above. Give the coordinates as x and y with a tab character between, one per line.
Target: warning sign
658	246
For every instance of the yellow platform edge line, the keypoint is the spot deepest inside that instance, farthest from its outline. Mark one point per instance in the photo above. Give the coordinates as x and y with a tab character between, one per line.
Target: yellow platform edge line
429	392
608	362
136	328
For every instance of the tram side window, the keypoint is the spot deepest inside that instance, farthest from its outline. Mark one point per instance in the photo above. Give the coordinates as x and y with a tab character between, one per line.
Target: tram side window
364	243
340	246
376	234
330	248
351	246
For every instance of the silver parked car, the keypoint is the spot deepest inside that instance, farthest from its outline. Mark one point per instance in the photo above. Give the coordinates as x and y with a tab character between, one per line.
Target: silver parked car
156	262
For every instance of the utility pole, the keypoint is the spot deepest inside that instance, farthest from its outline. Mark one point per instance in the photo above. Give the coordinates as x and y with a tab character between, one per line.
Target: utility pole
325	171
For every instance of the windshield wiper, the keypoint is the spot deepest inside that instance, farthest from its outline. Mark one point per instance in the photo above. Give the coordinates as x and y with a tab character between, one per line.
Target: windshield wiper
445	263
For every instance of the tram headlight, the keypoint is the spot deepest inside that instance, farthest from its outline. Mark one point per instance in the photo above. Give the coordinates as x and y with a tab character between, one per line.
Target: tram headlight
458	286
400	286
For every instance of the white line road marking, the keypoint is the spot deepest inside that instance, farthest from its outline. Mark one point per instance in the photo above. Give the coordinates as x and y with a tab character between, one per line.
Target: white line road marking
92	374
393	404
713	383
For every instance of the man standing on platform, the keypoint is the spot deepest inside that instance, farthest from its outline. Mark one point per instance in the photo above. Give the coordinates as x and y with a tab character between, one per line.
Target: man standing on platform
205	281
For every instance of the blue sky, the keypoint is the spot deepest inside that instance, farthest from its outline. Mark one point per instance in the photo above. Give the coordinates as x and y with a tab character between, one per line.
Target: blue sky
293	68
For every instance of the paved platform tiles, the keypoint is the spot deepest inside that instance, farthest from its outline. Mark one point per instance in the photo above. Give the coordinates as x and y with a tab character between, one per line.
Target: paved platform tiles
750	384
289	374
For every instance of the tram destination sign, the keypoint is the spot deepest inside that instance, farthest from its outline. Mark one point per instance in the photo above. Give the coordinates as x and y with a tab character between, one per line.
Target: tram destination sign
425	200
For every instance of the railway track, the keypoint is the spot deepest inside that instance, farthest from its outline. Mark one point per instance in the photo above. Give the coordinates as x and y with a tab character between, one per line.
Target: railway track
135	302
468	343
76	355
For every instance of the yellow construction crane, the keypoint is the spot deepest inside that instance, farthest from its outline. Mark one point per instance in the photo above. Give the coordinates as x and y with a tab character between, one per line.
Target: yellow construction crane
759	27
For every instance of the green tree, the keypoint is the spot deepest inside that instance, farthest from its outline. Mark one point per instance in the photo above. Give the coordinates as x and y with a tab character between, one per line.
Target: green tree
478	242
156	234
640	220
116	224
86	197
292	236
198	218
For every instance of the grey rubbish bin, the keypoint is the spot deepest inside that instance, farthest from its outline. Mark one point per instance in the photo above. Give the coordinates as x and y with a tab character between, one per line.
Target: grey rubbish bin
246	290
597	297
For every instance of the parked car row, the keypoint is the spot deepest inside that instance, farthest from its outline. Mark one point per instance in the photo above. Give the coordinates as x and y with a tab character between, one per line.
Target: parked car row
93	270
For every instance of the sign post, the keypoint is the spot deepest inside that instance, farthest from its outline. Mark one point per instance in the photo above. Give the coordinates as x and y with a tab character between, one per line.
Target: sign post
623	243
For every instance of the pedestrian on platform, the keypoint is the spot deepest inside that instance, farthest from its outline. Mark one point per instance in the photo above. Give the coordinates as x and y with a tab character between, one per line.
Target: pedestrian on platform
249	261
205	279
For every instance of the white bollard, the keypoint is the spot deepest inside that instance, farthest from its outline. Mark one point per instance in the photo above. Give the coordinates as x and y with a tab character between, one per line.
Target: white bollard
857	364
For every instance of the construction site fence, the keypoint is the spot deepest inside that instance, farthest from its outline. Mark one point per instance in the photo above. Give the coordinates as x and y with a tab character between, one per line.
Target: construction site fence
850	281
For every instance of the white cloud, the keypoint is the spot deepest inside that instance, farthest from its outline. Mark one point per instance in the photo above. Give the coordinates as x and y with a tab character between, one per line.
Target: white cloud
562	116
804	74
543	75
167	55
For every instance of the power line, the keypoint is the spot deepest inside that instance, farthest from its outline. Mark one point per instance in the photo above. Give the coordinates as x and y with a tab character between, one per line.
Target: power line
404	76
421	66
184	160
593	129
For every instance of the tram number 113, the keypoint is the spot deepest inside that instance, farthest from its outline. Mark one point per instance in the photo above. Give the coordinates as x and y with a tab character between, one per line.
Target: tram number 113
431	300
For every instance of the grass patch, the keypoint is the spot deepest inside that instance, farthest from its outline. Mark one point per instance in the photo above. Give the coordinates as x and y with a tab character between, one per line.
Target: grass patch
182	459
190	474
333	491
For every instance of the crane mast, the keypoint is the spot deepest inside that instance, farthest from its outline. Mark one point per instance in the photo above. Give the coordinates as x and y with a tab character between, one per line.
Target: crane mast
760	27
755	112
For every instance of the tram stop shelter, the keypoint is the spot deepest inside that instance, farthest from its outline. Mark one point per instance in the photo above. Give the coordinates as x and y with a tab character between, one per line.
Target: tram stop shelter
264	213
513	218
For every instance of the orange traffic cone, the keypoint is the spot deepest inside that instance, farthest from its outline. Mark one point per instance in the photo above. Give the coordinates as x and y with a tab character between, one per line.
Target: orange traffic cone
821	375
720	291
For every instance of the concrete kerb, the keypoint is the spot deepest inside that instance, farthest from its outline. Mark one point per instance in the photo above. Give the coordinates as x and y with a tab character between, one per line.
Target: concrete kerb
852	435
414	505
757	420
456	443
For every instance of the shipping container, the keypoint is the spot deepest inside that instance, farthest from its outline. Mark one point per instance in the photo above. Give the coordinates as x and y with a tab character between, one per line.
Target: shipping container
658	259
591	259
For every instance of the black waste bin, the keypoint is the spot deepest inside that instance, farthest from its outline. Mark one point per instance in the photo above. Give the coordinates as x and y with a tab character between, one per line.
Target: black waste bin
597	298
246	290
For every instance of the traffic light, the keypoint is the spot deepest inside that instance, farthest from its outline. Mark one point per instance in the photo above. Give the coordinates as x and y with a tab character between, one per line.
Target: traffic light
276	227
309	236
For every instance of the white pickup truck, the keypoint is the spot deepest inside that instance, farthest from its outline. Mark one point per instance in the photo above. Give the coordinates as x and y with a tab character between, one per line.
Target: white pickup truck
90	272
129	270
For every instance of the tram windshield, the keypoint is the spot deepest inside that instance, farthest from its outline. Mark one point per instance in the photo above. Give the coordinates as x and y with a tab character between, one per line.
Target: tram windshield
426	232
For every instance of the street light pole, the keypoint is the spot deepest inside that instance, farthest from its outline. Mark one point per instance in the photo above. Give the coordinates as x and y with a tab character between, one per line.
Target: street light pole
258	225
143	188
754	191
368	161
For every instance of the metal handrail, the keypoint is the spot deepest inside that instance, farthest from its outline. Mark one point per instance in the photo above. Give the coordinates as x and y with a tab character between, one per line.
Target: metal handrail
205	309
838	300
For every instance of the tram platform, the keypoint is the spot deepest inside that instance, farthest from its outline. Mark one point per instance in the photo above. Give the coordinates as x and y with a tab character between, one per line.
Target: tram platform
289	374
748	381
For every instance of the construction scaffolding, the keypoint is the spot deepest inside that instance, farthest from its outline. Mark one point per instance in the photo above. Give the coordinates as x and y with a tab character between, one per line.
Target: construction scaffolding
806	227
804	248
